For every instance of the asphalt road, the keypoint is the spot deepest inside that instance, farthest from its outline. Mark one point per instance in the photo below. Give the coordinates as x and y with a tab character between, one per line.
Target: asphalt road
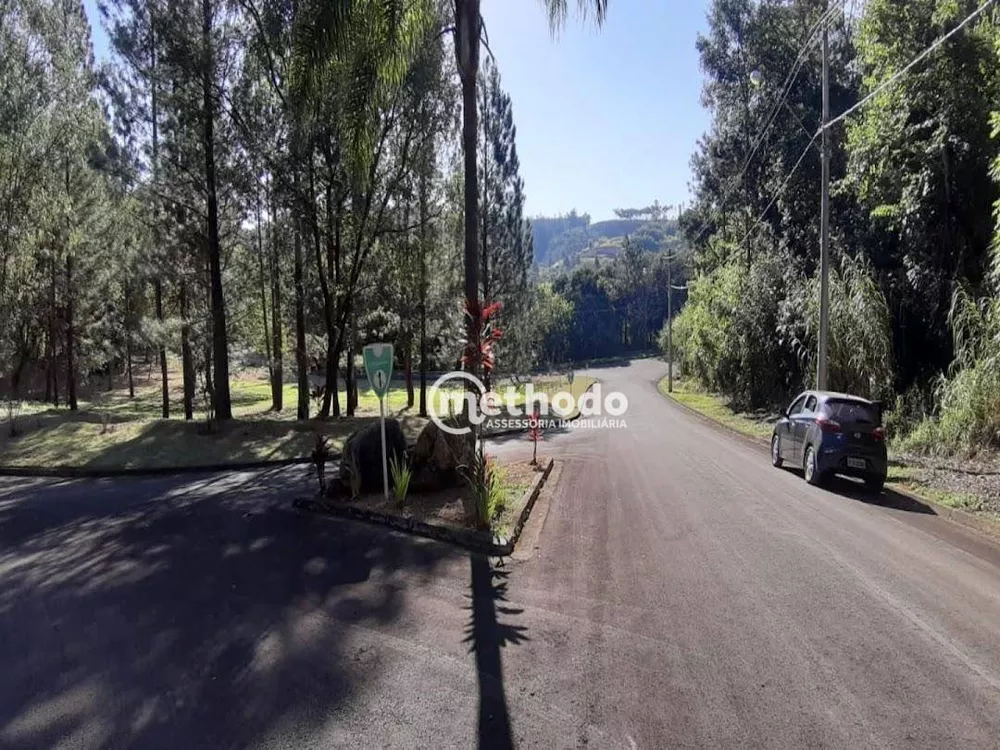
670	590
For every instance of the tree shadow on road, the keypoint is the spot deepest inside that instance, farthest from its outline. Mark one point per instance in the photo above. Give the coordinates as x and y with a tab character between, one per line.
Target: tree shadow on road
186	619
486	635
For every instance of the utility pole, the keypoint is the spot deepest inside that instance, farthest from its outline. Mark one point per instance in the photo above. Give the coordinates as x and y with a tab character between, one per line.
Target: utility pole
670	325
670	309
824	248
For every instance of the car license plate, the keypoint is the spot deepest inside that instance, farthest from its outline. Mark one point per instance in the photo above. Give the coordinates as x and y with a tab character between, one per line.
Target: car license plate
857	463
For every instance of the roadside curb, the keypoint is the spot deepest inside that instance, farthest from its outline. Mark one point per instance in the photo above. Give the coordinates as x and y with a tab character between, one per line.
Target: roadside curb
986	526
73	472
522	430
751	439
477	541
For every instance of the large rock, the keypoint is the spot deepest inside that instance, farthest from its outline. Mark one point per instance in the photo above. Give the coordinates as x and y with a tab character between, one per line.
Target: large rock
363	454
437	456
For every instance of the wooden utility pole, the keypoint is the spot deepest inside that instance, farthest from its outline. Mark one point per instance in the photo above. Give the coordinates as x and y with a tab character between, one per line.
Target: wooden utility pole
824	248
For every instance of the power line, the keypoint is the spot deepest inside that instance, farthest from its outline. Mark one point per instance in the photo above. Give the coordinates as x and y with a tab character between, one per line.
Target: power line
915	61
786	89
793	74
781	189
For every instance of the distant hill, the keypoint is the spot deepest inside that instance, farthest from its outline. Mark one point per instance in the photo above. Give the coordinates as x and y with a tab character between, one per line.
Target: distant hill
566	240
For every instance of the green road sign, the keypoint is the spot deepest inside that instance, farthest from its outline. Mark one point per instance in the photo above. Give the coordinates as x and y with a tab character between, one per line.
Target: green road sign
378	367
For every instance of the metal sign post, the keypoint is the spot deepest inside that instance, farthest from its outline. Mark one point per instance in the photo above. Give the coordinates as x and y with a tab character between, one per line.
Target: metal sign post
378	368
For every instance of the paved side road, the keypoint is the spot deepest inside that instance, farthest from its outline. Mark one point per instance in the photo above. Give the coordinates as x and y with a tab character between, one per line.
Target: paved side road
672	590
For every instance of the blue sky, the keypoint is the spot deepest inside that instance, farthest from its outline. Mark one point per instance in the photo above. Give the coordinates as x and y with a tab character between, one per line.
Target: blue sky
605	118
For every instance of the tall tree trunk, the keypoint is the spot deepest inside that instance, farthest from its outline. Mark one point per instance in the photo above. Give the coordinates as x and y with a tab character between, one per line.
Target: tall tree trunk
263	299
338	353
220	347
302	366
48	373
484	210
70	332
162	350
338	226
128	366
467	29
423	291
324	285
484	206
408	370
334	342
53	369
187	359
278	374
351	379
157	283
70	336
209	380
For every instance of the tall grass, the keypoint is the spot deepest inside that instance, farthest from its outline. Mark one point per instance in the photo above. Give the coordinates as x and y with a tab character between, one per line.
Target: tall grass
968	396
753	335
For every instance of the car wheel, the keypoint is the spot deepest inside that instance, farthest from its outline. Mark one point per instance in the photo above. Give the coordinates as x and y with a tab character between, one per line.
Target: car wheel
813	475
875	483
776	451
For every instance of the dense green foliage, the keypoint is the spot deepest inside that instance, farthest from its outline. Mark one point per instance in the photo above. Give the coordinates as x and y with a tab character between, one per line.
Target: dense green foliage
244	184
616	307
912	215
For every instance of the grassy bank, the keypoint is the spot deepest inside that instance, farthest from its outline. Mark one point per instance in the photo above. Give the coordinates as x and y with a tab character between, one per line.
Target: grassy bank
911	479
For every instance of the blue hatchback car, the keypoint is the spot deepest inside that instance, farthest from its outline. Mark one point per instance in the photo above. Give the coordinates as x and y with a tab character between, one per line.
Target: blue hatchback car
828	433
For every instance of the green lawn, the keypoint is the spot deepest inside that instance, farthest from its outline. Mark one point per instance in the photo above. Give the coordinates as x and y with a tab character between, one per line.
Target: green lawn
759	426
111	431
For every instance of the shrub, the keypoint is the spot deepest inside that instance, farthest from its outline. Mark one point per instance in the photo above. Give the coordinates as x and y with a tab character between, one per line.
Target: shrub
727	337
486	480
401	475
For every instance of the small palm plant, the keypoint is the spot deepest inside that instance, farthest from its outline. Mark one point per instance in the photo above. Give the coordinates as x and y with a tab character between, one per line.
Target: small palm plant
401	475
486	481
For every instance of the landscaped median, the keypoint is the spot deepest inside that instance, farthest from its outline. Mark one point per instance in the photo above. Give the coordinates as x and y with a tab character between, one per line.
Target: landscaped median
440	515
951	488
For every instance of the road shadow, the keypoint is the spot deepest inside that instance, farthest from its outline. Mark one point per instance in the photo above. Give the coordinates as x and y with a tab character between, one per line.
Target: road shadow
139	613
486	635
888	498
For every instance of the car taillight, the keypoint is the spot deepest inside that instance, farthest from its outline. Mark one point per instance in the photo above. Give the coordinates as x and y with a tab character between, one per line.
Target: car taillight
878	434
828	425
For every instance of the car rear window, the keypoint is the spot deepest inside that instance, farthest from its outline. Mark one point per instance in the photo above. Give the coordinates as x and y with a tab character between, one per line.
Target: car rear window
851	411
